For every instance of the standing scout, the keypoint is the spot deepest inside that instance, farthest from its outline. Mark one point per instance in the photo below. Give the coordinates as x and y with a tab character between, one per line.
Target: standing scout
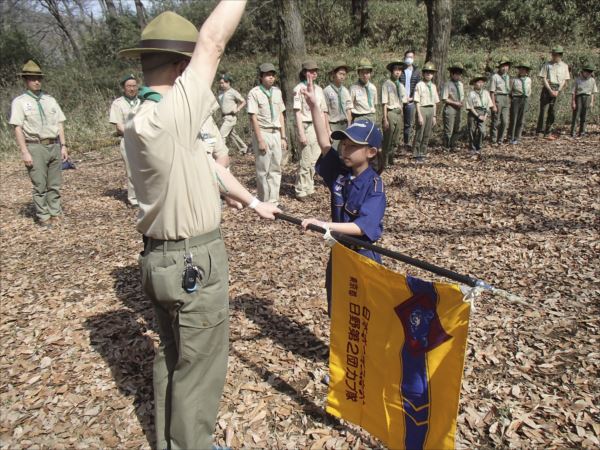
309	147
520	92
184	263
338	99
554	75
119	111
453	96
363	93
393	97
583	98
479	103
499	91
38	122
410	77
426	98
231	103
265	107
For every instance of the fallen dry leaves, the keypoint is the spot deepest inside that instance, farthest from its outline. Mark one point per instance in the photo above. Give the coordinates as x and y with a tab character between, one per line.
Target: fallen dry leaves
78	336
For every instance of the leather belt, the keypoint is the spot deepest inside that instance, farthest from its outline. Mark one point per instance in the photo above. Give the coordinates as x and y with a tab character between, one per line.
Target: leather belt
48	141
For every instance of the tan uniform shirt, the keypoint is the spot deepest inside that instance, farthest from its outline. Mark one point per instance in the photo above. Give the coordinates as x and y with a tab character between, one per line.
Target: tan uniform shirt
453	91
338	102
425	96
585	87
521	87
229	101
500	84
301	105
174	178
36	124
555	73
121	108
477	102
360	98
210	135
258	103
393	95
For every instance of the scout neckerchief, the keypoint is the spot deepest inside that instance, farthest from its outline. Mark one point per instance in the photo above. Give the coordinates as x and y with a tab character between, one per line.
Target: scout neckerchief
428	83
37	99
397	83
505	78
269	95
456	86
523	79
338	91
130	101
366	86
480	93
145	93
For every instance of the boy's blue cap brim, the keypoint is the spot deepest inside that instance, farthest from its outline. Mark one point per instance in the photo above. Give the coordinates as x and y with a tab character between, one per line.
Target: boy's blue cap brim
362	132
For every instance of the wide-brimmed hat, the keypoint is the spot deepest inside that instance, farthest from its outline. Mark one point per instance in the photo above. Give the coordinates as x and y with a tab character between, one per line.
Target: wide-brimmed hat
523	65
395	62
361	131
310	65
477	78
588	67
166	33
456	67
557	49
365	64
504	60
31	69
429	67
340	65
266	67
126	78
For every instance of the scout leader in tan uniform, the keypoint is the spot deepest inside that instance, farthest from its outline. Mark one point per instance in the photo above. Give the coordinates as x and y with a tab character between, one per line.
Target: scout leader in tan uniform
39	132
499	91
309	147
554	75
231	102
119	111
363	93
266	107
393	97
184	263
337	97
453	96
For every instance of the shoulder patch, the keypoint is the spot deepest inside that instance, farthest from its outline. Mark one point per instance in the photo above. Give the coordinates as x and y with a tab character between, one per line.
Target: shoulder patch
377	184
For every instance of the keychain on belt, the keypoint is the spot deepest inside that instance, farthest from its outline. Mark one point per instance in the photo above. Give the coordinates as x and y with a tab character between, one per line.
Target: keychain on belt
192	274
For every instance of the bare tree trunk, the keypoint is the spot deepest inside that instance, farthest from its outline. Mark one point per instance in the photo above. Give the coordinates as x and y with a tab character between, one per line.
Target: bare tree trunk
292	50
439	24
54	10
111	8
141	13
360	15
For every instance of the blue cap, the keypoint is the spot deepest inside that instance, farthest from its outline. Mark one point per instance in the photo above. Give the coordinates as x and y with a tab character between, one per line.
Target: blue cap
361	132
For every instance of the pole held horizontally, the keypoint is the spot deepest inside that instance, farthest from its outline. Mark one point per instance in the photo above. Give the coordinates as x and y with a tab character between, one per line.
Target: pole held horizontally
464	279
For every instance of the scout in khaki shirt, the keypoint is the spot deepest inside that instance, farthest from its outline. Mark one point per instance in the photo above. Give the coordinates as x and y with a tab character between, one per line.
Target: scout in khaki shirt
554	75
265	107
184	263
231	103
479	104
499	92
393	97
583	98
426	98
309	148
520	92
119	112
38	123
453	96
337	97
363	93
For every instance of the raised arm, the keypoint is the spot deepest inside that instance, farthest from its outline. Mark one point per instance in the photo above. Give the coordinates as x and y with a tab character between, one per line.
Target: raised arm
213	37
317	117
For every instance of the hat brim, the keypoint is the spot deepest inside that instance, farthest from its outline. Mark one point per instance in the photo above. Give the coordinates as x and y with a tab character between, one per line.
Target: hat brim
502	63
394	63
335	69
429	70
31	74
456	69
521	66
135	52
364	68
475	80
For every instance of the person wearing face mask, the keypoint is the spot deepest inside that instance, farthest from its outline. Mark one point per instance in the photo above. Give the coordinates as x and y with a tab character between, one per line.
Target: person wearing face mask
410	77
119	111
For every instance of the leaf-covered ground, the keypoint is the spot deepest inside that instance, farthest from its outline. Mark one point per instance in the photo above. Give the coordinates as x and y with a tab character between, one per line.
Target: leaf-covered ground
77	336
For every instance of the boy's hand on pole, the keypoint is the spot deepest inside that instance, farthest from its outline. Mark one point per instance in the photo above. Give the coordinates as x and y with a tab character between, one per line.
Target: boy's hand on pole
267	210
311	221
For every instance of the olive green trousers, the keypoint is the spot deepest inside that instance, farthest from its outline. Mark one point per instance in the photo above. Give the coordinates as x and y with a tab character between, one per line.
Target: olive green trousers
423	132
451	117
500	118
191	362
46	177
391	136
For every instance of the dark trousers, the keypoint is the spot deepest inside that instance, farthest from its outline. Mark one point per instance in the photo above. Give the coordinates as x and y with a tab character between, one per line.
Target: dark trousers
476	132
408	111
518	107
582	106
547	103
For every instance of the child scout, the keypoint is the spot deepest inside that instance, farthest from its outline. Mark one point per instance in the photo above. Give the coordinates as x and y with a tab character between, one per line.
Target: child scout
554	75
453	96
520	91
363	93
309	147
582	100
426	98
337	97
499	91
393	97
231	103
265	107
479	104
119	111
38	123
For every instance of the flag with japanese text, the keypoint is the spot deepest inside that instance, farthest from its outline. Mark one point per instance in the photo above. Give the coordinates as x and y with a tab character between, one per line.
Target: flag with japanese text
397	353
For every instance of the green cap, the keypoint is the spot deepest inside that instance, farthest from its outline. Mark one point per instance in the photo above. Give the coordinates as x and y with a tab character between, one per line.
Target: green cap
166	33
365	64
226	77
588	67
266	67
310	65
457	67
30	68
477	78
395	62
504	60
429	67
126	78
523	65
340	65
557	49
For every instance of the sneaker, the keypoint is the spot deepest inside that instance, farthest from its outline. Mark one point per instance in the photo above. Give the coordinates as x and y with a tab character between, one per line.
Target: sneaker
514	142
45	224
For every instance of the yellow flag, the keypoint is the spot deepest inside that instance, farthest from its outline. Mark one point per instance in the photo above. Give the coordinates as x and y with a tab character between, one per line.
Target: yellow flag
397	353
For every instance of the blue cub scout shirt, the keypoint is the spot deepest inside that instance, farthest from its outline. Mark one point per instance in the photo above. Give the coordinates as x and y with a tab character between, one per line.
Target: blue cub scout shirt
360	199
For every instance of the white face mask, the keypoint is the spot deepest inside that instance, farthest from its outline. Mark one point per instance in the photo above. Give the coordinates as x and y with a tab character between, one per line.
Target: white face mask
408	61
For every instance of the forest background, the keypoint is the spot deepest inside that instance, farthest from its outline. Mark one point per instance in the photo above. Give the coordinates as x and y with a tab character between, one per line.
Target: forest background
76	43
